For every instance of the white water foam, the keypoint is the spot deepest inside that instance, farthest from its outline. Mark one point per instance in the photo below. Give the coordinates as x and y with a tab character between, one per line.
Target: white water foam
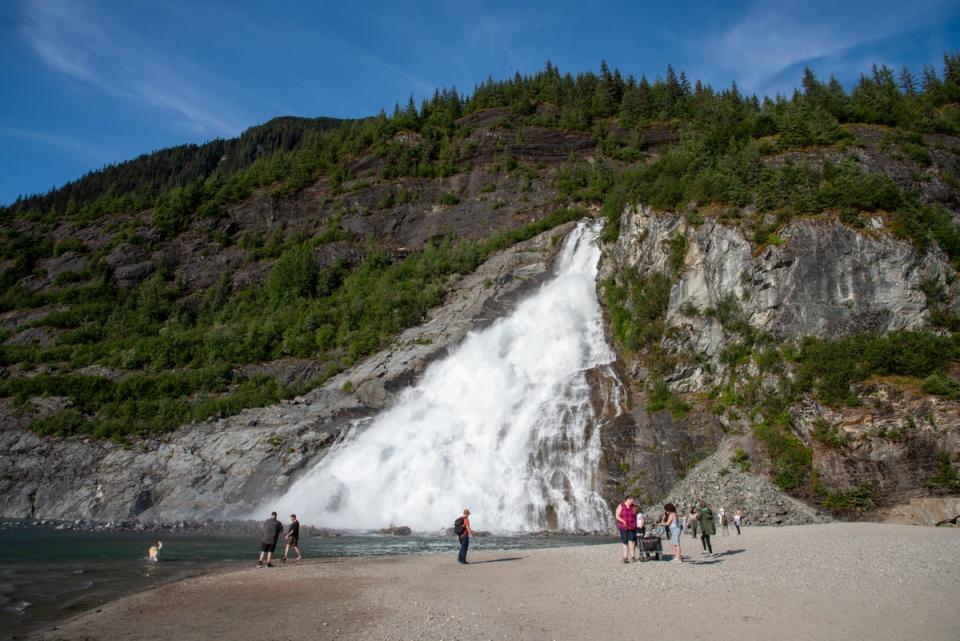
503	425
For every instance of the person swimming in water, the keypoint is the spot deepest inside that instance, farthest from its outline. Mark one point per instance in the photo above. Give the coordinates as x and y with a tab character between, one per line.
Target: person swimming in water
154	551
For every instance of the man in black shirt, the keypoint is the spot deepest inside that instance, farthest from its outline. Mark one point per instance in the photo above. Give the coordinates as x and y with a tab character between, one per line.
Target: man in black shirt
268	539
293	538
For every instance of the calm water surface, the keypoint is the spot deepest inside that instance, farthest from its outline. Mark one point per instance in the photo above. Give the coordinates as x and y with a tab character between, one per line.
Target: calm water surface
49	575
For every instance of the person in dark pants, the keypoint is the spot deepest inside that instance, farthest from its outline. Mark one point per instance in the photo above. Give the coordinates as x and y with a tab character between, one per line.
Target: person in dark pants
292	539
464	536
272	528
708	528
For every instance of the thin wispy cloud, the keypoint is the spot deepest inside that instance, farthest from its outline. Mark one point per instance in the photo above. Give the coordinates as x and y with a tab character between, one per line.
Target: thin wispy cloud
88	48
57	141
772	38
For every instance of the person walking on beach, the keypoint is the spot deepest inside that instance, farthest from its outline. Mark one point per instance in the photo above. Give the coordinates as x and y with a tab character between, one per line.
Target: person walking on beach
724	522
692	522
292	539
463	534
737	518
708	528
268	539
672	524
627	524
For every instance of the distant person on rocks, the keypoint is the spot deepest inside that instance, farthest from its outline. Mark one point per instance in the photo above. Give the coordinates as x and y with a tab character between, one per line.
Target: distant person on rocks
292	539
627	524
724	522
272	528
463	534
672	524
708	528
737	521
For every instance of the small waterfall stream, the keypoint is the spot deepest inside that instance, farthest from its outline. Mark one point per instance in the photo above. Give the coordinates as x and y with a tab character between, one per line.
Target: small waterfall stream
504	425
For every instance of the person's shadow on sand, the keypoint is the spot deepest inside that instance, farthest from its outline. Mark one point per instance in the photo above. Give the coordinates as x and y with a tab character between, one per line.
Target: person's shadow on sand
506	558
729	552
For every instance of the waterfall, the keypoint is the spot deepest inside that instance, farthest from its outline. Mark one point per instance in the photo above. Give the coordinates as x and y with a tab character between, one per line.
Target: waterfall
503	425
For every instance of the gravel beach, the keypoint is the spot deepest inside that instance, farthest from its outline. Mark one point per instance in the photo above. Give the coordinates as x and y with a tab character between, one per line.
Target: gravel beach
813	582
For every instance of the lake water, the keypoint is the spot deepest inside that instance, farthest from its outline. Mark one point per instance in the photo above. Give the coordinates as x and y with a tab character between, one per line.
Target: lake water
49	575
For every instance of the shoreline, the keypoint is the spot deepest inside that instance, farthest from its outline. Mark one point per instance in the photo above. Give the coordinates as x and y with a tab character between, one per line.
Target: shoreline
859	580
48	576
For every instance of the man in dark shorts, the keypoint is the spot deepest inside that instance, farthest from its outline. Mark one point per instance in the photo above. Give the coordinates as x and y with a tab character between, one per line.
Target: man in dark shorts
268	539
292	539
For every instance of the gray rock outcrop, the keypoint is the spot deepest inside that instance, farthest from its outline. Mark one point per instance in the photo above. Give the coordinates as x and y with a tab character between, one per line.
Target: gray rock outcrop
723	484
821	278
814	277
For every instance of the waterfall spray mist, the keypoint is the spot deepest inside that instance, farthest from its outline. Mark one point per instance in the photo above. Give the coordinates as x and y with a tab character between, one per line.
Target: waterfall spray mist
504	425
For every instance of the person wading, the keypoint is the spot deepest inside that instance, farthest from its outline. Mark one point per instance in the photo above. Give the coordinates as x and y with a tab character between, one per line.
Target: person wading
461	527
627	524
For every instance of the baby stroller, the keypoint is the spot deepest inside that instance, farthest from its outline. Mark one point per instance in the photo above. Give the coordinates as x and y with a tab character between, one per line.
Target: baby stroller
649	547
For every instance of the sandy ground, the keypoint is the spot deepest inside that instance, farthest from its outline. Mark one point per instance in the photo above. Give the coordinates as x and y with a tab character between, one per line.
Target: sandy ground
834	581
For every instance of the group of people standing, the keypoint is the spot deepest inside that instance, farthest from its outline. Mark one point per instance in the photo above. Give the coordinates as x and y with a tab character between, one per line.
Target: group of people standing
270	534
632	522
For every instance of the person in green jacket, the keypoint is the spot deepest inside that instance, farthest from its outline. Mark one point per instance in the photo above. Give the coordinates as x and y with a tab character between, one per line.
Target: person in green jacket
708	527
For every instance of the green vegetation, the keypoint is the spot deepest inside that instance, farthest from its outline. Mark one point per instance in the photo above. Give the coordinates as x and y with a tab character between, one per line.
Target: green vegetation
855	499
449	198
942	385
828	366
946	477
741	459
660	397
637	305
335	314
828	434
792	460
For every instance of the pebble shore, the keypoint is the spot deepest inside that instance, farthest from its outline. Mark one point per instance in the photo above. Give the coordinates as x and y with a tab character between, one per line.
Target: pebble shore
826	581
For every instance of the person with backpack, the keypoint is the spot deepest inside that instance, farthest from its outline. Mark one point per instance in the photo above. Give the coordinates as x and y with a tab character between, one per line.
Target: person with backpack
724	522
627	524
692	522
461	527
708	528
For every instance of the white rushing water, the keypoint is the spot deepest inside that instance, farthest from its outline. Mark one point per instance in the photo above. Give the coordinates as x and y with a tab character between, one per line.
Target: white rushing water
503	425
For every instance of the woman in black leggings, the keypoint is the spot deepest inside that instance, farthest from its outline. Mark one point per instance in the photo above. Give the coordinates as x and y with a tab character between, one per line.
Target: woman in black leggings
708	528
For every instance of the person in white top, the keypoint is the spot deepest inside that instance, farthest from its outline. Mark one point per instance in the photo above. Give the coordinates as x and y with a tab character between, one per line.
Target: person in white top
737	518
641	523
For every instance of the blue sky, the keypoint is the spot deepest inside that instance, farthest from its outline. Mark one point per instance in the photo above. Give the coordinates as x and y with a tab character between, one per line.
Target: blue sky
86	83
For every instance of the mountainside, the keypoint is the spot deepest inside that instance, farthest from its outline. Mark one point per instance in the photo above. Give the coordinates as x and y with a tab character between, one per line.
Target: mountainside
780	275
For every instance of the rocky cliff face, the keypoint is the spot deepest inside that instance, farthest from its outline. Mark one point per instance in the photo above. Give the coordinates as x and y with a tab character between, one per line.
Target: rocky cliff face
817	277
224	467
